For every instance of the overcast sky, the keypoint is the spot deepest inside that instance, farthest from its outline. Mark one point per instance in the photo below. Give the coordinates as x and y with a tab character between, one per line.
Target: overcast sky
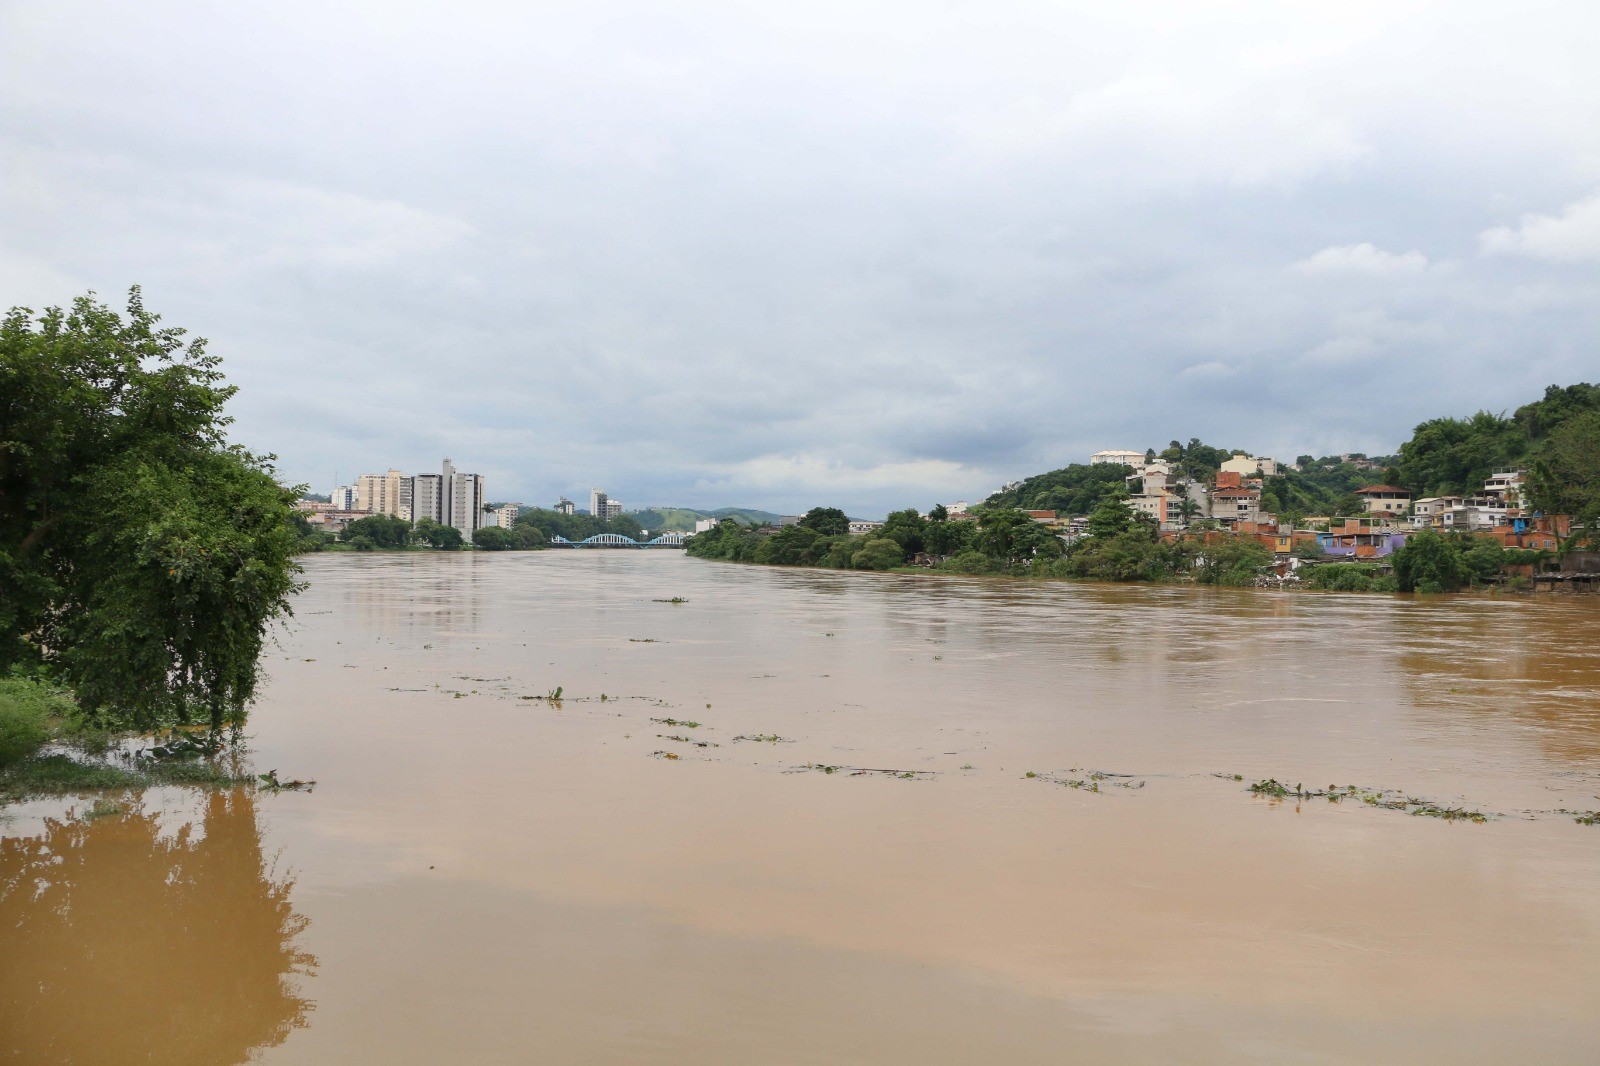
778	255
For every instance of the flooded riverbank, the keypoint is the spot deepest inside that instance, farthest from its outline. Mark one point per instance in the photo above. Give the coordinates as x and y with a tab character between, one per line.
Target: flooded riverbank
484	874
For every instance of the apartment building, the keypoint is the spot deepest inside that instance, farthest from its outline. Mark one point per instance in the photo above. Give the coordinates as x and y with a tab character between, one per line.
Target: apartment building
1385	499
1114	455
450	498
388	493
1246	465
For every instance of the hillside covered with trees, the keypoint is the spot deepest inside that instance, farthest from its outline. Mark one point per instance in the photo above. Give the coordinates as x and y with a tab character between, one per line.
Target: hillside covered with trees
1555	438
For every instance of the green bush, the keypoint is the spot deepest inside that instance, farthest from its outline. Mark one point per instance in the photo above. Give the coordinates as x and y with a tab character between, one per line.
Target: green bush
880	553
1349	577
967	562
27	713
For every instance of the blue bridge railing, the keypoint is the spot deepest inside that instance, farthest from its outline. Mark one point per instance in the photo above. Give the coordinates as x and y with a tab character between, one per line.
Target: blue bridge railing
617	540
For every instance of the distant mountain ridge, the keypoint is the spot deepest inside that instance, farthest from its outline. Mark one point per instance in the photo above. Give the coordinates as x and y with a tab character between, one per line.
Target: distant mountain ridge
683	518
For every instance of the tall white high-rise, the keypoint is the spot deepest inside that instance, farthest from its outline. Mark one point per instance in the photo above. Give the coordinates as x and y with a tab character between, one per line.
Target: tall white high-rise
450	498
427	497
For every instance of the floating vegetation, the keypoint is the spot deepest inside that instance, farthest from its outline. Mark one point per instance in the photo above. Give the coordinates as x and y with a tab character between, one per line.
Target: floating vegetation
1388	799
180	745
1449	814
553	696
674	756
270	782
676	724
1090	781
688	740
763	738
860	771
643	640
675	599
1584	817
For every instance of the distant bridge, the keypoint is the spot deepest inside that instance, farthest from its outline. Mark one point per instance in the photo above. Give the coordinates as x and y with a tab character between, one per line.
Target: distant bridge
617	540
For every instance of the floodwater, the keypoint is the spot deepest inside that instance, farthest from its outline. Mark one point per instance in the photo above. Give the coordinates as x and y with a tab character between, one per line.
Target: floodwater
483	877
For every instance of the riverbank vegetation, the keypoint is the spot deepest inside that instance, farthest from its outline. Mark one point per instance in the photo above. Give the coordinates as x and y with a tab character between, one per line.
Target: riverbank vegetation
142	556
1119	545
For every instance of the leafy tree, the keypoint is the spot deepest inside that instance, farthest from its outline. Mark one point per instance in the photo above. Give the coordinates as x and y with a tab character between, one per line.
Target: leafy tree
492	538
1565	477
941	537
384	531
879	553
1230	561
1013	536
140	554
436	535
829	521
939	513
1428	562
1454	456
1112	517
968	562
789	546
907	529
526	537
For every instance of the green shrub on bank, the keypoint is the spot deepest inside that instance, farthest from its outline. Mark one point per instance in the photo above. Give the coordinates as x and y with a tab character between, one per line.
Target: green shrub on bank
30	712
880	553
1349	577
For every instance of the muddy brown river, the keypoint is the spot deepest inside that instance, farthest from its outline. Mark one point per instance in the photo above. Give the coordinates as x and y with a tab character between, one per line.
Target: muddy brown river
659	868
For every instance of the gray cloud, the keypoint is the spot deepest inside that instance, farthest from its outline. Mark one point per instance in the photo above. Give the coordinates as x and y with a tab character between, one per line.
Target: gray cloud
712	254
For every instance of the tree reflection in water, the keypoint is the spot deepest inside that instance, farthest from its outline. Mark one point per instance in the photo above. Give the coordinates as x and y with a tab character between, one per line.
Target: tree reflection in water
121	942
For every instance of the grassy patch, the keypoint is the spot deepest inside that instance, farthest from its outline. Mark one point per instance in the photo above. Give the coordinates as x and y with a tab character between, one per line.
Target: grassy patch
62	775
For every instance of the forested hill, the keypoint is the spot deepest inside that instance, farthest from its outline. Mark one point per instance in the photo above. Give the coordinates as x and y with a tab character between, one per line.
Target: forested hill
683	518
1448	456
1556	438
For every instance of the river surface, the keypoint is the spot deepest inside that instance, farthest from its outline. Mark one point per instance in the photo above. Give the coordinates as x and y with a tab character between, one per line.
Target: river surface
484	877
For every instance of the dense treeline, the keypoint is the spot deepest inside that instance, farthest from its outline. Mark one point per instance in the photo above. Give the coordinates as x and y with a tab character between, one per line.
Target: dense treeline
1122	546
575	527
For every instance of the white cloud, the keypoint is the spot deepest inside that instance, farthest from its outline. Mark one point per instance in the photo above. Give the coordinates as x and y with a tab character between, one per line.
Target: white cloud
1363	258
1571	237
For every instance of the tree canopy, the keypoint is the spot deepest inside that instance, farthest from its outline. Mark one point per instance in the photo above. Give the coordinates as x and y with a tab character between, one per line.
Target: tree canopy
141	555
